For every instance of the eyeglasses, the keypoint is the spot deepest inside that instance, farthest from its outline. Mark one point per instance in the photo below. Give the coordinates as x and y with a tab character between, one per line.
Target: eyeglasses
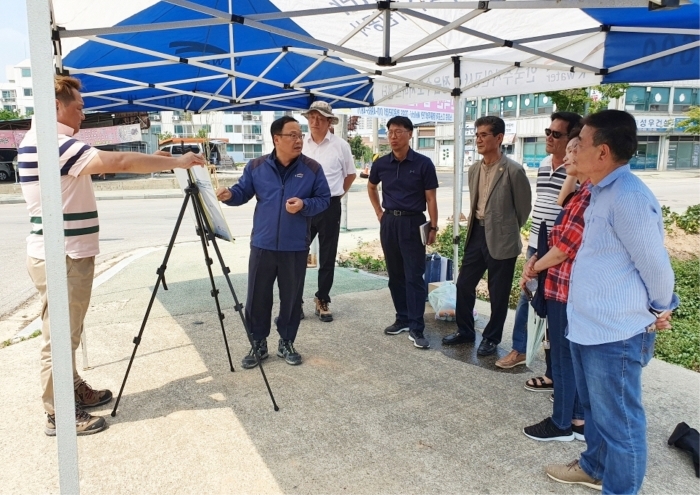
396	133
554	134
294	136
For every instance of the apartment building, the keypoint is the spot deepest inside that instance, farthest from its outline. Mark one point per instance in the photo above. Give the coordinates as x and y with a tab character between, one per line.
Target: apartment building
16	94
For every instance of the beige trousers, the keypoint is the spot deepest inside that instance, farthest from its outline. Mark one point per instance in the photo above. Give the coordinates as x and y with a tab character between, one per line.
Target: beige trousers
80	273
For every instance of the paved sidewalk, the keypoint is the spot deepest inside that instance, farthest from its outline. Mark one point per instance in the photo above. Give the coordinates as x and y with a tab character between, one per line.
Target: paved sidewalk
365	413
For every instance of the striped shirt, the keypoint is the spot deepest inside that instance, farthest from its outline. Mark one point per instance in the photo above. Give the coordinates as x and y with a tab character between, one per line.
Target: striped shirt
546	209
81	225
622	269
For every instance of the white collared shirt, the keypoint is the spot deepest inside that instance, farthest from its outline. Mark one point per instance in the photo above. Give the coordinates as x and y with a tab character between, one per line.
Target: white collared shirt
335	157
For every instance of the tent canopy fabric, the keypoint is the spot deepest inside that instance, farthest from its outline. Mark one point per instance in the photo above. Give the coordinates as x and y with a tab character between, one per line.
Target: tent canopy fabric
201	55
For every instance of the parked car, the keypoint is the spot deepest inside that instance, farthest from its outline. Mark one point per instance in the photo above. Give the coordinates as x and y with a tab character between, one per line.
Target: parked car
7	171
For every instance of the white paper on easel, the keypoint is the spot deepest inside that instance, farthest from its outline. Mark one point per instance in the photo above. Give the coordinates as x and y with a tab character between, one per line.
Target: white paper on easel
214	216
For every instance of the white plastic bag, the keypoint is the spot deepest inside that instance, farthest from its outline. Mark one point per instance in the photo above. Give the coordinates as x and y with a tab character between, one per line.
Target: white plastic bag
444	301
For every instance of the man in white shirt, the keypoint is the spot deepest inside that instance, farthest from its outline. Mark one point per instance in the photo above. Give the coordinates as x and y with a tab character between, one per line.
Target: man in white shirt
334	155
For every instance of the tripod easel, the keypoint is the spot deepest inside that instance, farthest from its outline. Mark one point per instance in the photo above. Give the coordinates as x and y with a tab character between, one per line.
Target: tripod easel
206	235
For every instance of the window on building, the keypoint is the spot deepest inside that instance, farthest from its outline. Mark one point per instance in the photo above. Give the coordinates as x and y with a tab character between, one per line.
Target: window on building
29	111
534	151
470	112
683	152
647	99
206	128
647	154
256	129
238	129
9	107
426	143
527	104
26	72
155	129
179	130
9	94
228	128
543	104
229	147
510	105
252	151
27	91
493	107
304	128
684	98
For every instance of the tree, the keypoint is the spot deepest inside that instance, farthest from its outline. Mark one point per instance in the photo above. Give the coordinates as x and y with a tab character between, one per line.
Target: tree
607	92
9	114
570	100
579	99
202	133
164	136
691	125
358	148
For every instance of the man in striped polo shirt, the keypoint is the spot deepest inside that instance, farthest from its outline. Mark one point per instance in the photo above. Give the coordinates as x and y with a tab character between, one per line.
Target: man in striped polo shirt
78	162
550	179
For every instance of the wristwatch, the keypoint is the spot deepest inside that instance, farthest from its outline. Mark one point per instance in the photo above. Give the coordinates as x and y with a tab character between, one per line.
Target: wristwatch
434	228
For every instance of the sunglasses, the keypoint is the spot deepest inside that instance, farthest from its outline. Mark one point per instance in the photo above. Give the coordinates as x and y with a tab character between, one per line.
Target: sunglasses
554	134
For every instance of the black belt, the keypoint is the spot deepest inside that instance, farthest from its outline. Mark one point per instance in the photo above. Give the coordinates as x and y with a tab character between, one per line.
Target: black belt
480	222
401	213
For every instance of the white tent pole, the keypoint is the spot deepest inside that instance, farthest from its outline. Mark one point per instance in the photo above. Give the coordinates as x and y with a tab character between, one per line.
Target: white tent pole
40	47
458	165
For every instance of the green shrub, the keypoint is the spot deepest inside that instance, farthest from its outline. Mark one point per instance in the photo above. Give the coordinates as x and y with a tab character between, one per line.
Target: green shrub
681	345
363	262
690	220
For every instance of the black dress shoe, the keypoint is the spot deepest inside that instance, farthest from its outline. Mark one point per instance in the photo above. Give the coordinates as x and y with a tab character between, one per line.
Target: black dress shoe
457	338
486	348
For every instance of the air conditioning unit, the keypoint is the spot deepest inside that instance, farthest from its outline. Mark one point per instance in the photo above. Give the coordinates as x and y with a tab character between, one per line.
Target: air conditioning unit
176	118
155	117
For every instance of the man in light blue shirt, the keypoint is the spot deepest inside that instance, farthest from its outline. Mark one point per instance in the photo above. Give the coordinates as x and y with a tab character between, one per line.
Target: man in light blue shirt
621	291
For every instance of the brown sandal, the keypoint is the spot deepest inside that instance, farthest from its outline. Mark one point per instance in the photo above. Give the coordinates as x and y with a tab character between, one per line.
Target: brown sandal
537	384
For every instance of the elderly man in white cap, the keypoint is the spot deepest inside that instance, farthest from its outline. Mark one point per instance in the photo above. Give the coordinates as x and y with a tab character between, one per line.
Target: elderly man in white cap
334	155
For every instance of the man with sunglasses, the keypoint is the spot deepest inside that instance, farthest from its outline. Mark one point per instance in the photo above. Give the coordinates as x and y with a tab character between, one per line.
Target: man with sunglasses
550	179
290	189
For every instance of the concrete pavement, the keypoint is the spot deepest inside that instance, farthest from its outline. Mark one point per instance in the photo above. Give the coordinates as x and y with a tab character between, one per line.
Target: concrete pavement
364	413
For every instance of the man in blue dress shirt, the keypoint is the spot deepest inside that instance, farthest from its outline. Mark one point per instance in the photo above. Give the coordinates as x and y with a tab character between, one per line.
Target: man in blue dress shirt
621	292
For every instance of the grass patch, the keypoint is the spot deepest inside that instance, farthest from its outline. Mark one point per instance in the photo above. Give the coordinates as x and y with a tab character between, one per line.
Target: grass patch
9	342
681	345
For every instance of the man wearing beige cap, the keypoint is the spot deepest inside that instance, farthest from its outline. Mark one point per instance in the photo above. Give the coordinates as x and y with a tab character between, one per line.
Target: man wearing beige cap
334	155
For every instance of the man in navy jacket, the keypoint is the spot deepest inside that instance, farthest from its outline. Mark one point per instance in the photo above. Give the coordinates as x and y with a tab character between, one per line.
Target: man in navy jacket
290	189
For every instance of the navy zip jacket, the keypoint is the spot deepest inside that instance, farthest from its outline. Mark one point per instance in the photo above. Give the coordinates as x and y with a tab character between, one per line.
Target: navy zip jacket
274	228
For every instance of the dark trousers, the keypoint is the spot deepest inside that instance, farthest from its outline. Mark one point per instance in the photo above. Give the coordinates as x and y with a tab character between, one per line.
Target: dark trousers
475	263
289	269
327	225
404	253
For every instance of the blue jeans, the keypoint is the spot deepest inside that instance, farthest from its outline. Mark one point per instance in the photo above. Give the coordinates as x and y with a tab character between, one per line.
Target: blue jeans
521	312
609	383
566	403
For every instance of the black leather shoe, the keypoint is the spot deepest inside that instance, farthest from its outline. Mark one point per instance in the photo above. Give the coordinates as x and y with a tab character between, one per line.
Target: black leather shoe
457	338
486	348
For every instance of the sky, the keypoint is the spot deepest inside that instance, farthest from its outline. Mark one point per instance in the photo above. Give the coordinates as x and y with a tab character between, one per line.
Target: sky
14	40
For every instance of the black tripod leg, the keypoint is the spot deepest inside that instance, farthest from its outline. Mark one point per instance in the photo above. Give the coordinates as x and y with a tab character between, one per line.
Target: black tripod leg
199	212
239	307
161	279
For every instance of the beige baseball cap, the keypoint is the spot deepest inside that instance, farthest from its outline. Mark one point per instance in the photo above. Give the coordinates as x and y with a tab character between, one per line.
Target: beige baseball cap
324	109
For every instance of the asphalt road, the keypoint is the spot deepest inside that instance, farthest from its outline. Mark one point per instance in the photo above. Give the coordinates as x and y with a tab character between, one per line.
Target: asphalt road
126	225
